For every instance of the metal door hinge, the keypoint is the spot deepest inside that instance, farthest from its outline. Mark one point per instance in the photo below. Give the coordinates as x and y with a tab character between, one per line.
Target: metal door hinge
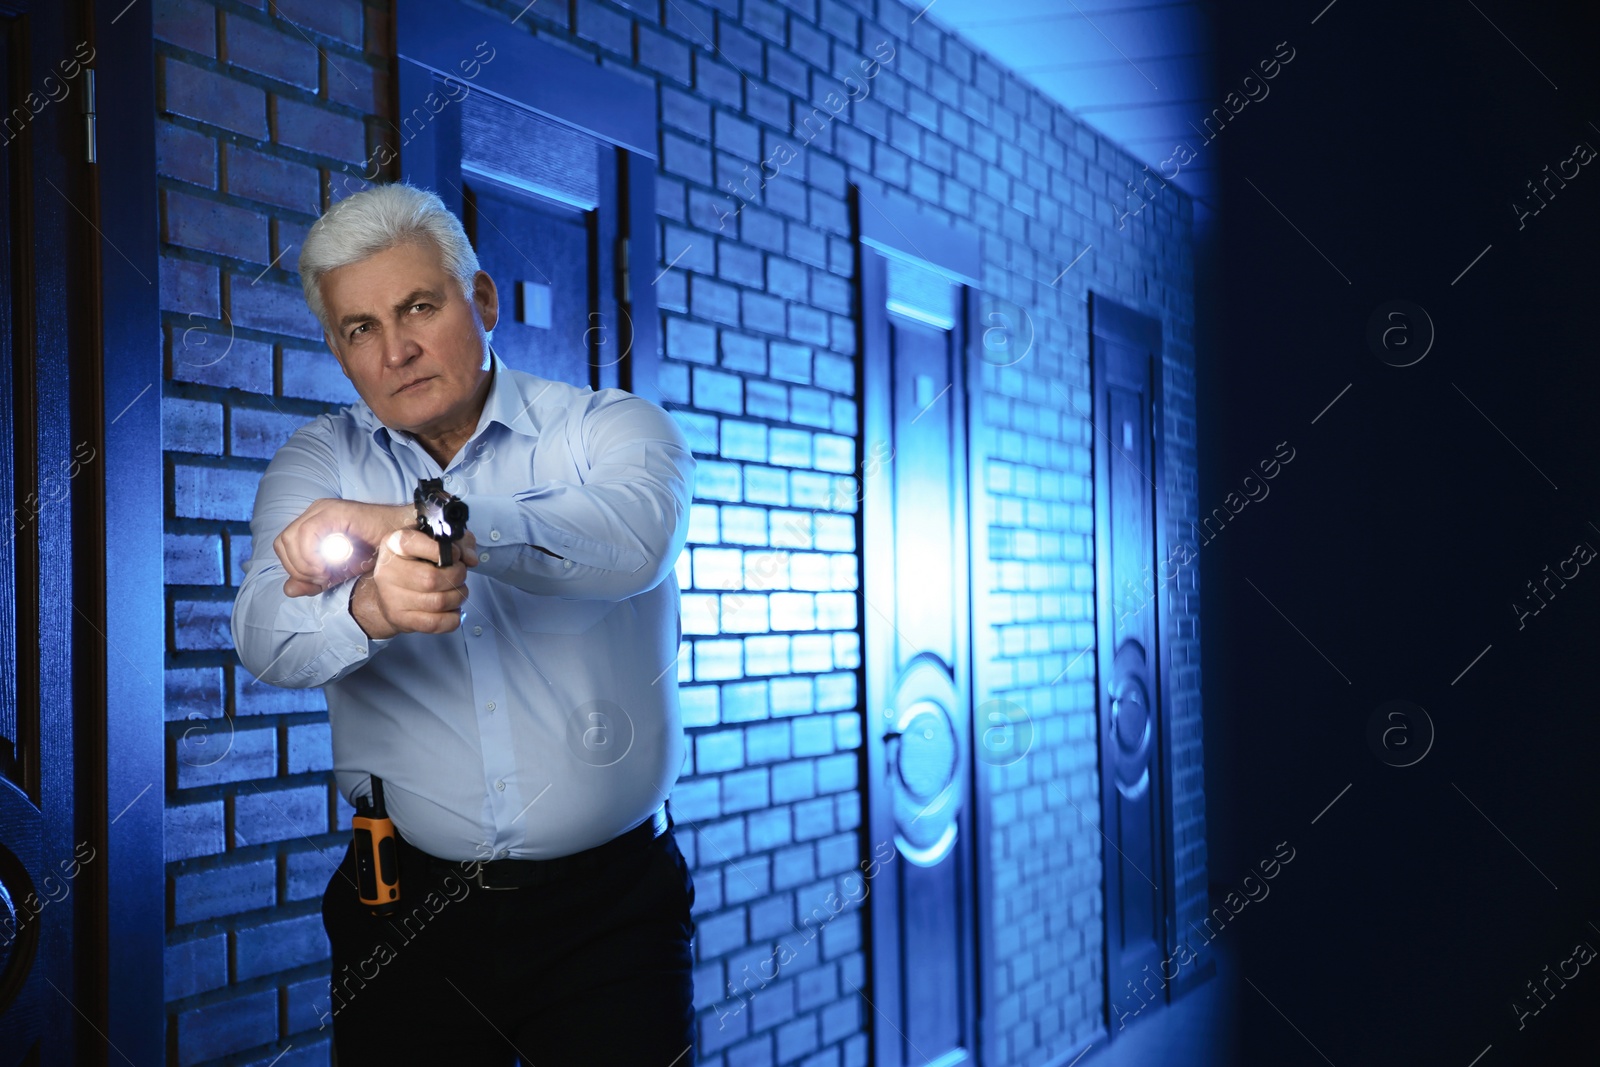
90	146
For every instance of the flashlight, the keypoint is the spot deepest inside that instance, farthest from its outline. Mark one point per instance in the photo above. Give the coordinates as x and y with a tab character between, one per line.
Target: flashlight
336	548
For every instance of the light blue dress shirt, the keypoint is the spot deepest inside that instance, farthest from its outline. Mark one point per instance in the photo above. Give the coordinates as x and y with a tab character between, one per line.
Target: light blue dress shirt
548	722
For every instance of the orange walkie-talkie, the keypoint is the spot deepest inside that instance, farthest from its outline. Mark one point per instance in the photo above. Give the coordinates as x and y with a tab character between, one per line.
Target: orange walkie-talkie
377	853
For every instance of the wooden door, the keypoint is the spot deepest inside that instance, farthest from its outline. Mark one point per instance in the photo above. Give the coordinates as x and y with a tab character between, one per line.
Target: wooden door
541	156
557	303
80	635
1125	353
917	575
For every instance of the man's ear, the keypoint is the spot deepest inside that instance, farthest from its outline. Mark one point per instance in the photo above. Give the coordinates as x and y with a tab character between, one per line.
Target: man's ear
487	297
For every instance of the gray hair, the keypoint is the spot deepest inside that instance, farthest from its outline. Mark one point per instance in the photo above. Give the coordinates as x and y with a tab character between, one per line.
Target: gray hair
375	220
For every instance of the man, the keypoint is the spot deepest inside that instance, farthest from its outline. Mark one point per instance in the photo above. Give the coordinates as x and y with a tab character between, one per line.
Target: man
520	705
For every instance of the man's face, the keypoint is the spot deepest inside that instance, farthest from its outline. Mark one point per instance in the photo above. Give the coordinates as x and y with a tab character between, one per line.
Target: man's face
408	340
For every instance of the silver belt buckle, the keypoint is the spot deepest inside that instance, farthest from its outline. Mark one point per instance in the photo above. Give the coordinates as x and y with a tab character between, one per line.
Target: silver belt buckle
476	877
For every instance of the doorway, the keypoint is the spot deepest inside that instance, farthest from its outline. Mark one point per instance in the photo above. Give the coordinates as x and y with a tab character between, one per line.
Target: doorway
921	782
81	634
1133	712
553	176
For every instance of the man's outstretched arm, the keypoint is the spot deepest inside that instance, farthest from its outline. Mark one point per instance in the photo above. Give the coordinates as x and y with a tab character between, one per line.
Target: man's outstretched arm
613	537
302	641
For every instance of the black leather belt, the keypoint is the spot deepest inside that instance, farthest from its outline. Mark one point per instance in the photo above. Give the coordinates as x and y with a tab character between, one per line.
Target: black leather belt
518	874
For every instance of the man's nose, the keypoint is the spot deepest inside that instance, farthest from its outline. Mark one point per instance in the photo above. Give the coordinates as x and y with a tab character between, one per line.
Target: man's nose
400	348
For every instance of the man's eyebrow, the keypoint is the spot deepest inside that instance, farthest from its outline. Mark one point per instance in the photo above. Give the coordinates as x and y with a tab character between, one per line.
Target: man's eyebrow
410	298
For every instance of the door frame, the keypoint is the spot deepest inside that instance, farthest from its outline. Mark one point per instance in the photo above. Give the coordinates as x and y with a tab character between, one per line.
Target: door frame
128	262
883	229
116	615
431	39
1118	321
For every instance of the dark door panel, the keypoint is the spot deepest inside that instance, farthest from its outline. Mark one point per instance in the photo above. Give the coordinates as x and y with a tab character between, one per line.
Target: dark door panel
1124	373
546	159
917	575
538	253
79	355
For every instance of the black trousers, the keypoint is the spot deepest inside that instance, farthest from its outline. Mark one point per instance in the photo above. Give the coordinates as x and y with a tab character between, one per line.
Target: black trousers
594	969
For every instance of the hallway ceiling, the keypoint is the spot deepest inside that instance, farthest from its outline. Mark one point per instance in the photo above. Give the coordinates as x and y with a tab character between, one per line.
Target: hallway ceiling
1138	71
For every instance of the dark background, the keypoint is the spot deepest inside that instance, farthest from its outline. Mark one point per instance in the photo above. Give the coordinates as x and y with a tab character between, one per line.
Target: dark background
1400	535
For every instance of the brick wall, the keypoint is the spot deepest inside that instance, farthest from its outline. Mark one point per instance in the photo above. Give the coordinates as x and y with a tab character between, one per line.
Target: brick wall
256	107
262	111
1046	852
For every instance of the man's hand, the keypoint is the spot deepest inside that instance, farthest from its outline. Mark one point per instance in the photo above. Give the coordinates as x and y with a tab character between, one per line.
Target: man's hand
407	591
299	546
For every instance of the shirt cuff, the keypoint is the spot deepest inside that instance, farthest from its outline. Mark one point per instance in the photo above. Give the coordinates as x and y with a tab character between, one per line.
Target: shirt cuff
498	524
346	639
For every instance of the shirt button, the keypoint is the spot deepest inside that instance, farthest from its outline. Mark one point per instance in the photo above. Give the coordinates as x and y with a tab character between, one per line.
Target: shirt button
500	785
494	535
566	564
489	706
483	557
477	631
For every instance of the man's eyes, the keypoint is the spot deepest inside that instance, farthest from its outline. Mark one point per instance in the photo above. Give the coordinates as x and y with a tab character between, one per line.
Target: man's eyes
364	326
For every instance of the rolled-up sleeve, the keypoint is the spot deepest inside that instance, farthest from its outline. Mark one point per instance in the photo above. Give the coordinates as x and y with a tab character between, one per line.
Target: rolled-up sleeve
295	642
616	535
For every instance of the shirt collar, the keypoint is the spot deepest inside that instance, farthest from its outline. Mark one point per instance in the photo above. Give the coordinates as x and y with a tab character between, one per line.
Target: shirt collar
511	402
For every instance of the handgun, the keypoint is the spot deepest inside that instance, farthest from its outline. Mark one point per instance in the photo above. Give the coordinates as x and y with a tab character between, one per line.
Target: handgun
377	853
440	515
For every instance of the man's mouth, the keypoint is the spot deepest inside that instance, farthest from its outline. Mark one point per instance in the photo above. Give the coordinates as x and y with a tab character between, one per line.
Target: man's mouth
412	385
